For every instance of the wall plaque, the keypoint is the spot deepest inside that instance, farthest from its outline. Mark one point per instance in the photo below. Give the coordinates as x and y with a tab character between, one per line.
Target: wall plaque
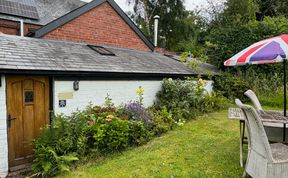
62	103
65	95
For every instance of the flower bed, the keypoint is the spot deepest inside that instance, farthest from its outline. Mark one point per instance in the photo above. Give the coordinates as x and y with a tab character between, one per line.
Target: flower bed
108	128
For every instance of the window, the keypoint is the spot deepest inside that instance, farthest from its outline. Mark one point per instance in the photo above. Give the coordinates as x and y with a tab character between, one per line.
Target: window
29	97
101	50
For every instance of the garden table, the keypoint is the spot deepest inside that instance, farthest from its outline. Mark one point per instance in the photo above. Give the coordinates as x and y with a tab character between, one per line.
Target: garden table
266	116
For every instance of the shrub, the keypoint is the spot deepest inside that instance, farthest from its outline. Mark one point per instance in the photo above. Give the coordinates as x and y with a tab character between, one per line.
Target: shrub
48	163
181	97
138	133
231	86
212	102
178	97
135	111
139	121
186	99
109	133
59	145
162	121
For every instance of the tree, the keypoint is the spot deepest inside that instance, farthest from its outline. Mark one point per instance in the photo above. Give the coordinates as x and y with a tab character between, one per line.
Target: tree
173	26
232	12
272	8
143	13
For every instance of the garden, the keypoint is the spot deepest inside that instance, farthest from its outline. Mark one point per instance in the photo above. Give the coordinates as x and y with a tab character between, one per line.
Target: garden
101	131
186	132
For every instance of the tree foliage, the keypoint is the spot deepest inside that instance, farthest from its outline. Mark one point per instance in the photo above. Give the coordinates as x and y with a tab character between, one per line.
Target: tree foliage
178	28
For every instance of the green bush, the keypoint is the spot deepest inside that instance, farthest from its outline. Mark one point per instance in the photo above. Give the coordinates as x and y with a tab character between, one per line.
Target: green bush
162	121
186	99
179	97
109	133
59	145
231	86
212	102
138	133
277	100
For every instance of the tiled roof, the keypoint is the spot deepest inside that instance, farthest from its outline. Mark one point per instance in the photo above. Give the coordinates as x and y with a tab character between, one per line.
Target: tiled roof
49	10
23	53
201	68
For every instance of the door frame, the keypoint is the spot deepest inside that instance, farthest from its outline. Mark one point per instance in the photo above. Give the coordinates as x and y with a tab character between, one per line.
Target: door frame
50	106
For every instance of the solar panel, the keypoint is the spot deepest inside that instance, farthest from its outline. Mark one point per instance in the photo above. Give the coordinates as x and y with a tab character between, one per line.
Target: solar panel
101	50
20	8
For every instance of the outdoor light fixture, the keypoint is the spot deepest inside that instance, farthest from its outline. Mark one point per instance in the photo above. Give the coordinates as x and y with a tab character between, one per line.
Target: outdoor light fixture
76	85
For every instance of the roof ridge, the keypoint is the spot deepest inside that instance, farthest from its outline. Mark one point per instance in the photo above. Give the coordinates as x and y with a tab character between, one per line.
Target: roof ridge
71	43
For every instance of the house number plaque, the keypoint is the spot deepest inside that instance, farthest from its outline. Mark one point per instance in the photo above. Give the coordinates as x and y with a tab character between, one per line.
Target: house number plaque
62	103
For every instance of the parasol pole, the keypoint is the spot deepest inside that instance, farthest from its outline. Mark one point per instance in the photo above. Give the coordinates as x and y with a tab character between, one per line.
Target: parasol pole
284	68
285	114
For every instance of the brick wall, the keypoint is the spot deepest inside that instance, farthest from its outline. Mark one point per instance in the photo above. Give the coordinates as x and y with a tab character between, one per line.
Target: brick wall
101	25
13	28
3	131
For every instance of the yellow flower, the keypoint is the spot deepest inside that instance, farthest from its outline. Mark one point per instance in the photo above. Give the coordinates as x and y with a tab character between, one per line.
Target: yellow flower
202	82
109	118
140	91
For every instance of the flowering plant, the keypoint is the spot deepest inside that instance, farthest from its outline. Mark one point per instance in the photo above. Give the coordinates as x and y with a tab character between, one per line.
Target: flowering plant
140	93
135	111
200	86
109	118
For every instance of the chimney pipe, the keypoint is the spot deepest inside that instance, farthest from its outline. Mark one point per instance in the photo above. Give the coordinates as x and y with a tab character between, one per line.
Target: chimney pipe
156	23
21	28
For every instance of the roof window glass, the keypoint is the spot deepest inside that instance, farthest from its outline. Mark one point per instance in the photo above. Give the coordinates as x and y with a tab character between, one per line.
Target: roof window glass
101	50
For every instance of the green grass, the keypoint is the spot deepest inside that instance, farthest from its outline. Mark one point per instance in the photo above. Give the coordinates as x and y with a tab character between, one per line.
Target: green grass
206	147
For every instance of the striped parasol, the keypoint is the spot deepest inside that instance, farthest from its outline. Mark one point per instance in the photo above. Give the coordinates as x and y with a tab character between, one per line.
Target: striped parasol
271	50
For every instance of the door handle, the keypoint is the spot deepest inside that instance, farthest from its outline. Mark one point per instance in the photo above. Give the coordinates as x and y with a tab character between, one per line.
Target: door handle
9	119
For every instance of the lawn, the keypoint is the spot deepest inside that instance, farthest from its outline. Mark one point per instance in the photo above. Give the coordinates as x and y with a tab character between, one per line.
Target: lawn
206	147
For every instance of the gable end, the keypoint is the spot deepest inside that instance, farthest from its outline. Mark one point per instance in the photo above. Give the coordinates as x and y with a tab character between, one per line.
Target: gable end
81	10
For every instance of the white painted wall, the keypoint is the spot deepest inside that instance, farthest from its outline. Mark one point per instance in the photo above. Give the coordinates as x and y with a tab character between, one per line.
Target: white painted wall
209	86
96	91
3	131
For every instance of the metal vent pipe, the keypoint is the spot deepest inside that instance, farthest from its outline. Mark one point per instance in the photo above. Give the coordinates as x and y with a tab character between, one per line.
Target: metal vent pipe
21	28
156	23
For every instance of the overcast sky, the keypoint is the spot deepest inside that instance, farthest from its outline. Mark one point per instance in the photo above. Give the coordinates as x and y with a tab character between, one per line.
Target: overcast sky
190	4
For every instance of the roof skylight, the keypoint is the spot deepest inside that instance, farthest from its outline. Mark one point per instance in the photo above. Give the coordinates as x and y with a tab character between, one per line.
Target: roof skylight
101	50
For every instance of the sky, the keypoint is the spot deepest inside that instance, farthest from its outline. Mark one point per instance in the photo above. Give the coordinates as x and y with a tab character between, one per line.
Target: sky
190	4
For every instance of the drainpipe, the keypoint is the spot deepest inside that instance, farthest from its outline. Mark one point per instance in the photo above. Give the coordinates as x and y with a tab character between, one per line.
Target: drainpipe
21	28
156	23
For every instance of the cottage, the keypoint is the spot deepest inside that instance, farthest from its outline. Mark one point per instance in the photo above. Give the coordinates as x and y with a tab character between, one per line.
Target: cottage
74	53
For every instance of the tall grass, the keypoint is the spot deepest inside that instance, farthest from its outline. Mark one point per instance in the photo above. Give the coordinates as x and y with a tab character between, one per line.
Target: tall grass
268	87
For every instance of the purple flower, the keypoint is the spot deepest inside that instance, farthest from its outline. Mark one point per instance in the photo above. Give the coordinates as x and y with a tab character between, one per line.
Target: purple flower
136	111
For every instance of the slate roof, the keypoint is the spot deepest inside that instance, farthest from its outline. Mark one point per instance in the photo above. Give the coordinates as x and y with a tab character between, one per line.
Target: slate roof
23	53
203	68
48	10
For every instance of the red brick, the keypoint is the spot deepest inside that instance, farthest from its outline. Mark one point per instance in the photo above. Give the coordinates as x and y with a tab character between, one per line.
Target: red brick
101	26
13	27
